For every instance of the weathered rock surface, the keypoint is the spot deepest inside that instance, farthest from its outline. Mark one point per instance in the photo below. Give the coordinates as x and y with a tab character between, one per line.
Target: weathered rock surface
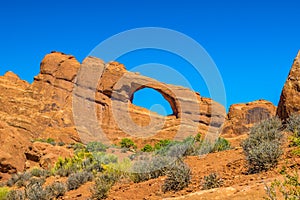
117	117
72	102
290	96
45	155
243	116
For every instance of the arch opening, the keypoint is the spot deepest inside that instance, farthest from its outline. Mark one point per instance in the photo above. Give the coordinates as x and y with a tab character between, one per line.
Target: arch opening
154	101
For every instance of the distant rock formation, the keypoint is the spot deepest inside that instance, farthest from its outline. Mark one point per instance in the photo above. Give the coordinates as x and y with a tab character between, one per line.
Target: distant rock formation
290	95
241	117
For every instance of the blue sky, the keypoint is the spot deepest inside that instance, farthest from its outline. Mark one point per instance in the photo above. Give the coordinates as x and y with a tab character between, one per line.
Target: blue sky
253	43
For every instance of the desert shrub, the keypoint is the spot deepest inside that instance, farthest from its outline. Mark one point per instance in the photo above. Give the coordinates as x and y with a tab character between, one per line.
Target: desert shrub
147	148
198	137
103	184
67	166
141	171
204	147
221	144
294	141
12	180
178	177
212	181
293	124
77	179
127	143
161	144
48	140
55	190
15	195
124	150
119	169
105	158
51	141
38	172
263	146
288	189
96	147
61	144
78	147
3	192
80	161
19	179
34	190
193	146
150	168
162	148
296	152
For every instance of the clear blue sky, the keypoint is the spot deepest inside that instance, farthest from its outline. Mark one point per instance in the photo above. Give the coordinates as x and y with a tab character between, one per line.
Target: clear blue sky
253	43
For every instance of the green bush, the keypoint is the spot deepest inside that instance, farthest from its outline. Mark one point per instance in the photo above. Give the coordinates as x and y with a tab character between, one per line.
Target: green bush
198	137
15	195
48	140
178	177
263	146
55	190
221	145
212	181
161	144
288	189
77	179
96	147
127	143
147	148
3	193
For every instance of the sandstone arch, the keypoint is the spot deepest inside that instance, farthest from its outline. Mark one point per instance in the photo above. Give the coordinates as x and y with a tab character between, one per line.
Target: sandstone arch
171	104
166	93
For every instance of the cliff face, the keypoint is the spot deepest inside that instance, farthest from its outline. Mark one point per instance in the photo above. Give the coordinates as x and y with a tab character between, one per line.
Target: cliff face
290	96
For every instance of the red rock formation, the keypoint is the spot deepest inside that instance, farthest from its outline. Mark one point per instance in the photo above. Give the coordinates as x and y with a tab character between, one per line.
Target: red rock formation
103	101
241	117
290	95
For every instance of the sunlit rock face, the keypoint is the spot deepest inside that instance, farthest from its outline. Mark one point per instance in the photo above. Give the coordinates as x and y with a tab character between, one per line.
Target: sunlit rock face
241	117
290	95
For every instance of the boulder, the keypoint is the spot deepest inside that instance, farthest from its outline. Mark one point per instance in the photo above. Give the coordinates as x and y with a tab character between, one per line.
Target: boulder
241	117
